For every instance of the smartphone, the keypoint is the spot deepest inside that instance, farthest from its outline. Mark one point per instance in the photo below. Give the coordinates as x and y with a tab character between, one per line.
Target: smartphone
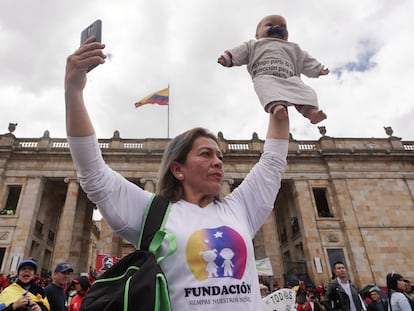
29	304
95	29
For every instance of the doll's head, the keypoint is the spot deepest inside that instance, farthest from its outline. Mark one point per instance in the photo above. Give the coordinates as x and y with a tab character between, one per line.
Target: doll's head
272	26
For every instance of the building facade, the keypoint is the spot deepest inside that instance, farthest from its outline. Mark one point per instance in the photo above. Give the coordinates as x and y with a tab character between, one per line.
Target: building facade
348	199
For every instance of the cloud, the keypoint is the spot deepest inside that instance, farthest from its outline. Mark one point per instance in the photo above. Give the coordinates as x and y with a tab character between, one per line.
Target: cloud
160	42
364	60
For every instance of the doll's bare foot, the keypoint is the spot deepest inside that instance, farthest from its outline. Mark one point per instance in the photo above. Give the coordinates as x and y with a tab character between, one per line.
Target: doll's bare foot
280	112
317	117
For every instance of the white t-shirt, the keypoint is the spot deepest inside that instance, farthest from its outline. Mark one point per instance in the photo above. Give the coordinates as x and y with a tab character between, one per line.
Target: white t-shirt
399	302
213	267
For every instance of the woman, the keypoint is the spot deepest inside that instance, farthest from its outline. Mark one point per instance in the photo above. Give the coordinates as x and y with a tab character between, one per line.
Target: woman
214	265
82	286
24	294
396	286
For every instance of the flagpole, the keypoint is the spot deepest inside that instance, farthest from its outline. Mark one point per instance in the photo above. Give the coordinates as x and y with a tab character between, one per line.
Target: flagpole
168	112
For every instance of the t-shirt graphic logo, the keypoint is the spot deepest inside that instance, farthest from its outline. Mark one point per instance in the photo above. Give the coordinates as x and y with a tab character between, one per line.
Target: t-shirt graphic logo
216	253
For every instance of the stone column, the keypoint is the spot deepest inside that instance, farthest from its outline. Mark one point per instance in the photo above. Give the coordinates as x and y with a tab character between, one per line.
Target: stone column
27	214
272	248
359	266
149	184
109	242
226	187
65	228
309	231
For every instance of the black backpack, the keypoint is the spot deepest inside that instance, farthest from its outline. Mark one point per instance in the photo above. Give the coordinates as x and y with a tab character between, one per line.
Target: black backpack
136	282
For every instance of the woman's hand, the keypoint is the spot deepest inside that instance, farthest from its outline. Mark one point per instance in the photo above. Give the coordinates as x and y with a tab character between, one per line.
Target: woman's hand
89	53
78	122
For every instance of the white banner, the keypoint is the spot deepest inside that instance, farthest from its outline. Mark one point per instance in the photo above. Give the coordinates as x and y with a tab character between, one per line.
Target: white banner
264	267
280	300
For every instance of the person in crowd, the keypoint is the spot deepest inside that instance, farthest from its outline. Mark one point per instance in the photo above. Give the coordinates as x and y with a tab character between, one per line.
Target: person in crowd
70	292
190	176
24	294
275	65
3	282
82	286
276	286
396	293
11	278
313	303
92	275
341	293
55	291
37	279
298	305
263	290
301	292
409	290
377	303
44	282
320	291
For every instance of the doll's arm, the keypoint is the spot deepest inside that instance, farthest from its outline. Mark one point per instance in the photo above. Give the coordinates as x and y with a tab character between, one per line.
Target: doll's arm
324	71
225	59
221	60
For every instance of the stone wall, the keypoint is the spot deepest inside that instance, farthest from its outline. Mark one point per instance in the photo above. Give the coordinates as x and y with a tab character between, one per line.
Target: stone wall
369	189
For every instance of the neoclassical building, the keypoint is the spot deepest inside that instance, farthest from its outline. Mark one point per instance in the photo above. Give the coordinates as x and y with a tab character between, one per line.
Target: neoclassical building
348	199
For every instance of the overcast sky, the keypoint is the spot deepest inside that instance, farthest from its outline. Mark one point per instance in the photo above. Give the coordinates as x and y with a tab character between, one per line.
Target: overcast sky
367	44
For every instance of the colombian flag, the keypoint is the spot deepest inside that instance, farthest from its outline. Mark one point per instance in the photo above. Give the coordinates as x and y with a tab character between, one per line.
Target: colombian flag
160	97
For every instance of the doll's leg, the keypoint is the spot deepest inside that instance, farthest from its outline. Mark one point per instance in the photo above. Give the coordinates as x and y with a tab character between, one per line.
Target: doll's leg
312	113
278	109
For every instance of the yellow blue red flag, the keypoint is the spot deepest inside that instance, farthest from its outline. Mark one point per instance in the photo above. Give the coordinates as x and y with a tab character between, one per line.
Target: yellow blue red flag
160	97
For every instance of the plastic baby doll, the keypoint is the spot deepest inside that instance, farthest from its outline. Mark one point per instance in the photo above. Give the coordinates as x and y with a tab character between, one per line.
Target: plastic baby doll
275	66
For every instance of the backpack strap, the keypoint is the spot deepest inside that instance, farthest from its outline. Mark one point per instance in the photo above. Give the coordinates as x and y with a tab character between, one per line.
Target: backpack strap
154	220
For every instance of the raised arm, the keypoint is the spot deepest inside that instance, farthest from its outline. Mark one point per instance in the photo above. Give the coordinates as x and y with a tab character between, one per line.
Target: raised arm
78	123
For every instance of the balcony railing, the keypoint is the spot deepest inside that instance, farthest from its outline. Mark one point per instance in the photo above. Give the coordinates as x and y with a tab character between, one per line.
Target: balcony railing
324	144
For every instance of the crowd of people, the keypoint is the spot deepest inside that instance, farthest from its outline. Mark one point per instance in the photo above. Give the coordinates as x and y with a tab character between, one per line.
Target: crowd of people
30	291
342	294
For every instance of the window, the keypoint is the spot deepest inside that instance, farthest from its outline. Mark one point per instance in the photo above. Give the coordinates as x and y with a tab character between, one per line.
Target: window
51	236
38	228
12	200
286	258
294	223
2	252
46	262
321	202
283	235
300	254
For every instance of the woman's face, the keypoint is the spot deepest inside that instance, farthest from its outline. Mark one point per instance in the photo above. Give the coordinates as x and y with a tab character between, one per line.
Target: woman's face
202	173
78	288
401	284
